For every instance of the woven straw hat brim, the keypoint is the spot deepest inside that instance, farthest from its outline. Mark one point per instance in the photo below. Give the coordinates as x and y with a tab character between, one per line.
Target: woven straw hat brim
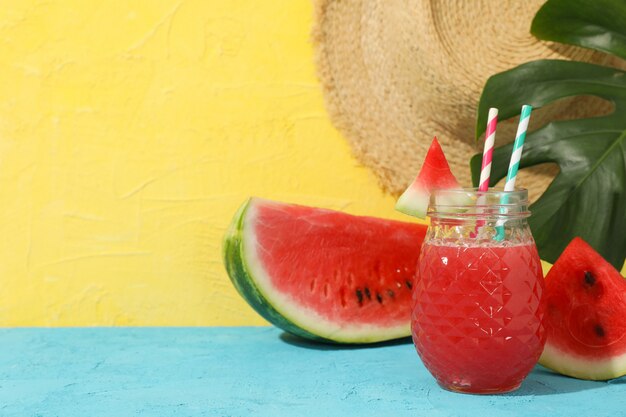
395	73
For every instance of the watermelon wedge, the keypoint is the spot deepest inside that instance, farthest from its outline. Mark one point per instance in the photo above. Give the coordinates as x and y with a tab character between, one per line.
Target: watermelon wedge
322	274
585	316
435	174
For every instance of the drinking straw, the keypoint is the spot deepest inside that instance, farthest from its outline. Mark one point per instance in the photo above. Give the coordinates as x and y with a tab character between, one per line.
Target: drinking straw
485	170
490	138
518	147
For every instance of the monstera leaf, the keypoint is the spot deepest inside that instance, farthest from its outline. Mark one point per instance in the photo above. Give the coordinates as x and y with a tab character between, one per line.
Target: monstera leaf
587	198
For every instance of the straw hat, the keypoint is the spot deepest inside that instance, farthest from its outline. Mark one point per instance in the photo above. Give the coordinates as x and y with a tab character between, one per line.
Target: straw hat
397	72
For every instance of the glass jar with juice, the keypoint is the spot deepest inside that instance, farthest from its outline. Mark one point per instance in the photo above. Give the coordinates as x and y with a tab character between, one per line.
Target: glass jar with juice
478	308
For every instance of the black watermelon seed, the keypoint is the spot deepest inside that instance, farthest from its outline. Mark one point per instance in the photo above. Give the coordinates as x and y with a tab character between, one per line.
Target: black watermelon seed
599	330
359	296
379	298
589	278
368	294
408	284
391	294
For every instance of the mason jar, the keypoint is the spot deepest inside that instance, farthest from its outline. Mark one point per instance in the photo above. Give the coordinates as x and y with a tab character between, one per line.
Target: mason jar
477	319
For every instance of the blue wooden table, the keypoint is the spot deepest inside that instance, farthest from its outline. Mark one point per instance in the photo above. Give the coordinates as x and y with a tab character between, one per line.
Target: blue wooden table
256	371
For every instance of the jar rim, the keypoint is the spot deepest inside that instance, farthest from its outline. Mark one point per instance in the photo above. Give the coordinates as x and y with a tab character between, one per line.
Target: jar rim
464	203
519	195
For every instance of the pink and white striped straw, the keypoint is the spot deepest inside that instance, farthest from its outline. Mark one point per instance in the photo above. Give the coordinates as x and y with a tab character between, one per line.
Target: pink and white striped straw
485	170
490	138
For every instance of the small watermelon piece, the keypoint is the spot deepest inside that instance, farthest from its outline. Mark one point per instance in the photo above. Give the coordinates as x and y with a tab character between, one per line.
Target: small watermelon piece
585	316
322	274
435	174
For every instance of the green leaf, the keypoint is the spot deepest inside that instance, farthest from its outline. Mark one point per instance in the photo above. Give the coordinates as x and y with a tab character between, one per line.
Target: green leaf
595	24
588	196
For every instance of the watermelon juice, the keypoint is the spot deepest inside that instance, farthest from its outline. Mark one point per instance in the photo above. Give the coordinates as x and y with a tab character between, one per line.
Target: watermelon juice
477	319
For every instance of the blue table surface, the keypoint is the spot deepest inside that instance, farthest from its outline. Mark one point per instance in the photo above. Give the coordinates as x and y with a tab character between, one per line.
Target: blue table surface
253	371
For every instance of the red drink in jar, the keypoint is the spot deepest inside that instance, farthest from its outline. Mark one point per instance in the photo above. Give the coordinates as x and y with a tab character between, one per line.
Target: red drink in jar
478	308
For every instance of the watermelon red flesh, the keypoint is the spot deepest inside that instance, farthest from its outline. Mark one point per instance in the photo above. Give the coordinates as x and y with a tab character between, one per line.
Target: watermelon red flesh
586	306
323	274
434	174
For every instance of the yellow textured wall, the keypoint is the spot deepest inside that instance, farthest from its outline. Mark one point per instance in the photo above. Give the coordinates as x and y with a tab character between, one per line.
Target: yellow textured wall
129	134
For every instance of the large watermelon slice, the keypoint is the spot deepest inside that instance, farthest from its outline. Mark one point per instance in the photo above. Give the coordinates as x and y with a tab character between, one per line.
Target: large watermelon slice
435	174
322	274
585	316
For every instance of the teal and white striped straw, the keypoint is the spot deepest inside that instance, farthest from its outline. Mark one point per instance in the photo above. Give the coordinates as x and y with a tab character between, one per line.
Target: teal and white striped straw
518	147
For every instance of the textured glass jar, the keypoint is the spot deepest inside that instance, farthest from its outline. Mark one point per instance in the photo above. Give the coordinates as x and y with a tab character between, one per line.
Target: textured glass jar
477	317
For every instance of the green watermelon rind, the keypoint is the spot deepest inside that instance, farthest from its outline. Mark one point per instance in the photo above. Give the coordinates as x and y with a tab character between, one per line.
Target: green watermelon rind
290	318
581	368
243	282
415	201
